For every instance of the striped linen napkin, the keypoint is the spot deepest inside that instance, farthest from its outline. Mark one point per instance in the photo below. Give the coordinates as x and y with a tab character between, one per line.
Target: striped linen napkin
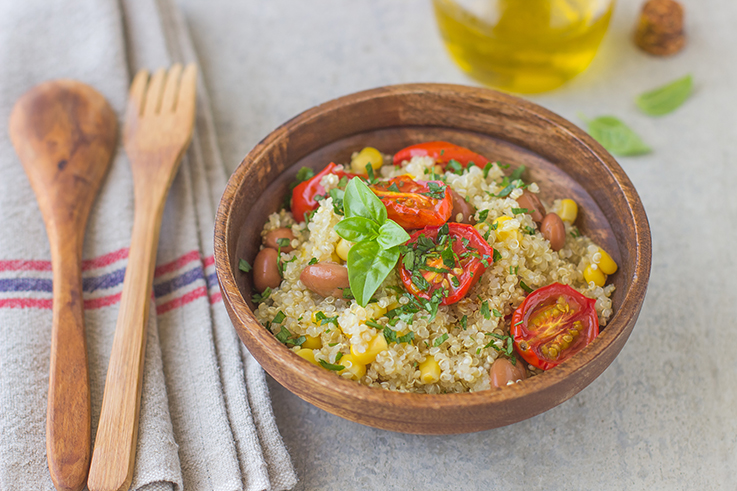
206	421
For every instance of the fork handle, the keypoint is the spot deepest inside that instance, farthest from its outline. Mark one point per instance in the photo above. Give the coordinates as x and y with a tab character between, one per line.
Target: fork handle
114	452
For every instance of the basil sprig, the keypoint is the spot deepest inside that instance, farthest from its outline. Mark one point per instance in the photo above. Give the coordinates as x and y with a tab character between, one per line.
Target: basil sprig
376	239
669	97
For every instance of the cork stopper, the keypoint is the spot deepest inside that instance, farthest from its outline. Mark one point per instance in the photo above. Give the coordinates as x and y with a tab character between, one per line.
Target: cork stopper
660	30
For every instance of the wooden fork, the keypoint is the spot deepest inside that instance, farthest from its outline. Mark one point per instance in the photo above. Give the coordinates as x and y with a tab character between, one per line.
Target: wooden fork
158	129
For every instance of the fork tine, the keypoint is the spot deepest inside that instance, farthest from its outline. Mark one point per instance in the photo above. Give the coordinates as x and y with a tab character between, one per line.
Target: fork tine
172	88
187	91
152	104
136	95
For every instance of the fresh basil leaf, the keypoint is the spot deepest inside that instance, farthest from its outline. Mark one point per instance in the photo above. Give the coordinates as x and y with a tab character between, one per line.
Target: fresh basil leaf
357	229
360	201
368	267
667	98
616	136
391	235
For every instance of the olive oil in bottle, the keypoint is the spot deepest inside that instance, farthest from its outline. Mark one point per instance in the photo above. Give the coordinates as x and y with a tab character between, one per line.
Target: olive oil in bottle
524	46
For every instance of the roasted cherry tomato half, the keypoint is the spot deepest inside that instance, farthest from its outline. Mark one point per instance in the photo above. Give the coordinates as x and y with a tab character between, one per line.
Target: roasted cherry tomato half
303	195
415	204
442	152
552	324
444	262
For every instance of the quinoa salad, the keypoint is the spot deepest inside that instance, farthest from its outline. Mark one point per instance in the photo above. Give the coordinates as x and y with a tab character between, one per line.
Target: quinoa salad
488	285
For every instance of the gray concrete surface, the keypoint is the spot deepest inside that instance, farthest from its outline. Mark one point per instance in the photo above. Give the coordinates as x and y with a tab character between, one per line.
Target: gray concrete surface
664	415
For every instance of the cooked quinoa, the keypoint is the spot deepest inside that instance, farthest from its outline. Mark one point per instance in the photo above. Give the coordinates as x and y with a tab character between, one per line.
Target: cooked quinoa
464	338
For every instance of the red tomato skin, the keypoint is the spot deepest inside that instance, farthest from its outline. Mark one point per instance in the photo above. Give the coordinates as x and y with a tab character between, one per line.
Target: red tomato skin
426	211
442	152
520	332
474	266
303	195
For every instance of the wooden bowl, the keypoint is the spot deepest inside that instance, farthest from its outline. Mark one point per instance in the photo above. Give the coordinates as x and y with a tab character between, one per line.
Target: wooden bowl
561	158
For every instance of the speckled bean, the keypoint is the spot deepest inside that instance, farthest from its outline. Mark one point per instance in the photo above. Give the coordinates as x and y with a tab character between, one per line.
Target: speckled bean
502	372
325	279
266	269
280	233
553	229
461	207
532	202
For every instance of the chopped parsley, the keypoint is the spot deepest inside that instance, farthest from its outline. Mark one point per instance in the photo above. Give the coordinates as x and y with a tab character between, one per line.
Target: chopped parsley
440	340
244	266
337	195
497	255
435	190
331	366
525	287
496	313
312	261
521	211
260	297
464	322
455	167
279	317
321	319
485	310
482	215
517	173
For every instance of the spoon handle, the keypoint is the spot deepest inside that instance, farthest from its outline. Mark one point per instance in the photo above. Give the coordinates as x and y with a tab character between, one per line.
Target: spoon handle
117	434
68	409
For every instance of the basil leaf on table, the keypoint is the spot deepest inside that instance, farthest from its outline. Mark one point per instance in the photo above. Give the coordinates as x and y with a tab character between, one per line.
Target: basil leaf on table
666	98
360	201
616	137
391	235
368	267
357	229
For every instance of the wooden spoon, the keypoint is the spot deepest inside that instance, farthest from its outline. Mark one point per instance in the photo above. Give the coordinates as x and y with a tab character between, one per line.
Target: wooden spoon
65	134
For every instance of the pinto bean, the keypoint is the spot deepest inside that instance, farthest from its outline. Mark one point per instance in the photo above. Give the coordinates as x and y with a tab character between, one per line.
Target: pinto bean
553	229
532	202
502	372
266	269
280	233
461	207
326	279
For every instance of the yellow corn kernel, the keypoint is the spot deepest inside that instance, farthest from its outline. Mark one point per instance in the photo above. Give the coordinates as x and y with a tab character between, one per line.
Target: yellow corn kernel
568	210
606	263
312	343
596	275
393	305
375	311
308	355
368	155
375	346
352	366
429	370
342	248
503	235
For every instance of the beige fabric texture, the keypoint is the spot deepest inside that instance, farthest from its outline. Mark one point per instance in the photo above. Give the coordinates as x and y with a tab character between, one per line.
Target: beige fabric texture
206	421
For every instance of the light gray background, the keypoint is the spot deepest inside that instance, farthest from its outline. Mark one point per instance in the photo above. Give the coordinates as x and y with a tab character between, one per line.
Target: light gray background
664	415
